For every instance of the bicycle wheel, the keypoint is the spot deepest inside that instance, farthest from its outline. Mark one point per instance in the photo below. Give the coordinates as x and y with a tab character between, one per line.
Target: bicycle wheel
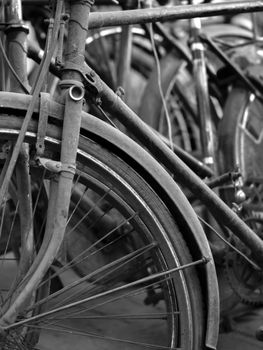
102	54
240	148
119	233
240	143
179	90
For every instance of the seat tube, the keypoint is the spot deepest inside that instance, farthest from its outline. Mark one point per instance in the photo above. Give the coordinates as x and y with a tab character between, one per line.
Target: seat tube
77	33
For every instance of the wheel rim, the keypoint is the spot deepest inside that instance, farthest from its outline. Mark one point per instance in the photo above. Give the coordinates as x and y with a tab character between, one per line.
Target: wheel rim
169	316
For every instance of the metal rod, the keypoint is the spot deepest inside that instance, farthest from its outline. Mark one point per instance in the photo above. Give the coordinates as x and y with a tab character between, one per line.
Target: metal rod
115	18
195	164
183	174
124	59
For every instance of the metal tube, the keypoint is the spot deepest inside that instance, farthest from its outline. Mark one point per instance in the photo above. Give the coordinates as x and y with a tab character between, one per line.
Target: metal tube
14	10
124	59
17	48
16	37
76	42
202	95
115	18
23	179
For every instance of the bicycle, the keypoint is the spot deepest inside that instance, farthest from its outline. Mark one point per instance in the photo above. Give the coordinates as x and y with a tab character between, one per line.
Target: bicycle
114	179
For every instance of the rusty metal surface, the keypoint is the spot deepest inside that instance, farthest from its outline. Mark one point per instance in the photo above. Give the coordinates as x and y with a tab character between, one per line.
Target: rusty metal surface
113	18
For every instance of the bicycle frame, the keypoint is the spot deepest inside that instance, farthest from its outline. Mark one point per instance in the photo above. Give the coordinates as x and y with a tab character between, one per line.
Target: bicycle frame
116	18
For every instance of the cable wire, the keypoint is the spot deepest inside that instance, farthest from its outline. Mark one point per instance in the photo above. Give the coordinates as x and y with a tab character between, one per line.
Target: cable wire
158	67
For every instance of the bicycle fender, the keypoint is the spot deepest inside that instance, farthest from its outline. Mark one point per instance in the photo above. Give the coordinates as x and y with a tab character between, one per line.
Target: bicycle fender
167	188
210	290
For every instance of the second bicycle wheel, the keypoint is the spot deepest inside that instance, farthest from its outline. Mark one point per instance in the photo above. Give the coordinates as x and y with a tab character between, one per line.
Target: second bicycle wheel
240	143
179	90
99	291
240	148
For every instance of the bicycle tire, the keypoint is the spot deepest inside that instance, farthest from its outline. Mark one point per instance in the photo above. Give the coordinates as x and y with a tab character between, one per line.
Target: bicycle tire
128	194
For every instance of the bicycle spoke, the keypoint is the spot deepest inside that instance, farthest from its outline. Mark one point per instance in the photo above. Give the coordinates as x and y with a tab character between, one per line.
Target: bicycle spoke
104	237
110	267
4	259
77	259
77	204
86	215
3	206
39	193
107	338
150	316
133	293
98	285
107	293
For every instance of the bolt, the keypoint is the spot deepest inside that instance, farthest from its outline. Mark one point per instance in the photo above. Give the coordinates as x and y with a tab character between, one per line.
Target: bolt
65	17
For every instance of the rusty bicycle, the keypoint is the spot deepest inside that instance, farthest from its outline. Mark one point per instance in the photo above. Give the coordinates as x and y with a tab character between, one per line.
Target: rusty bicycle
99	245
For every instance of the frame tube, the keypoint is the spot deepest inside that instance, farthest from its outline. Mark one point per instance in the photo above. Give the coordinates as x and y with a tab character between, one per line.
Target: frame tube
158	14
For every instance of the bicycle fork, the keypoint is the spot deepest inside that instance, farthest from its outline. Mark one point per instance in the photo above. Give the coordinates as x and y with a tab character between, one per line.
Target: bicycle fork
60	186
